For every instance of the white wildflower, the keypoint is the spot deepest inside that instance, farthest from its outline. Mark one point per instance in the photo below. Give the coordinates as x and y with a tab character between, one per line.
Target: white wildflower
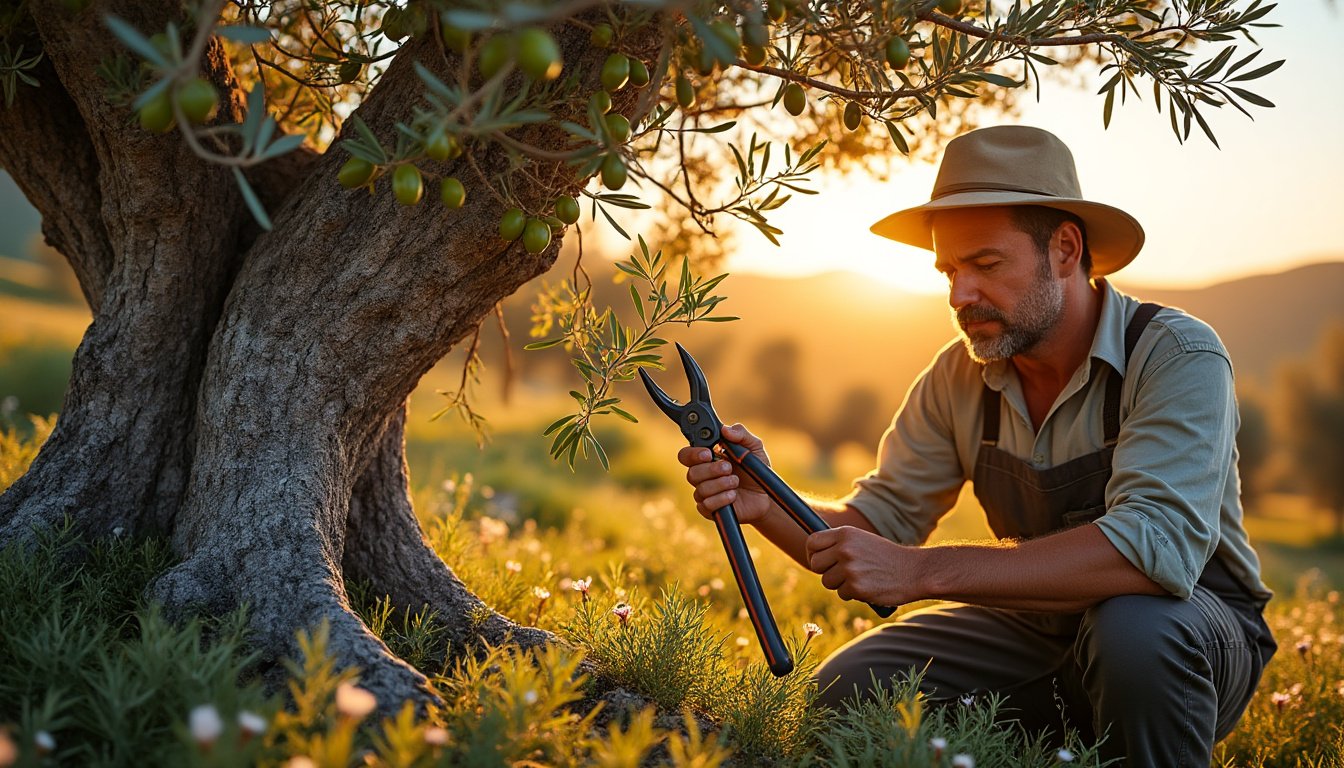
251	724
1064	756
436	736
205	724
530	697
354	702
44	742
963	761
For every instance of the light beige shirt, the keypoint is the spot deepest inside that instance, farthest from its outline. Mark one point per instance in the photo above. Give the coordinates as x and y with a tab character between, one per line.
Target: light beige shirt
1173	500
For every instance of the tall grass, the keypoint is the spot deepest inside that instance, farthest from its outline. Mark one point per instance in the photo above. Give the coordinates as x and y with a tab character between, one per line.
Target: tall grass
92	675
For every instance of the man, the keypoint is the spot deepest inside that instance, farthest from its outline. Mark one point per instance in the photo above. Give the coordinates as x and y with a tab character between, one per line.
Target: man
1122	597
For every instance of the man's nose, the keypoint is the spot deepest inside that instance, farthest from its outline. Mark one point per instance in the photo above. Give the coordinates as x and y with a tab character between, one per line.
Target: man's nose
961	291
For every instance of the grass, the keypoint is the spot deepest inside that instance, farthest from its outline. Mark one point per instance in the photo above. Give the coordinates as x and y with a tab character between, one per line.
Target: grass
91	675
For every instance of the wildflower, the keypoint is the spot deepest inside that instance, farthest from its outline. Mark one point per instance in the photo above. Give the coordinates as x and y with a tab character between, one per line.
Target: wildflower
354	702
436	736
118	531
1304	647
9	753
862	625
1064	756
1280	700
513	566
530	697
205	724
449	486
703	591
299	761
811	630
742	642
963	761
582	586
44	742
492	530
623	611
938	745
967	700
251	724
716	584
541	593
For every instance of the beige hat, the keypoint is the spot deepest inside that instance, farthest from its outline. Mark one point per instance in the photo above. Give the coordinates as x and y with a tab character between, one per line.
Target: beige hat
1017	165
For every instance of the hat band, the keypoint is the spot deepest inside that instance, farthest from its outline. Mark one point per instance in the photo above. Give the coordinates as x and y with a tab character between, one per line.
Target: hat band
979	186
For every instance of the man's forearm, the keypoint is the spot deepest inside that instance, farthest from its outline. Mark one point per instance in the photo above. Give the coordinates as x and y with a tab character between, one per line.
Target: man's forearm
1067	571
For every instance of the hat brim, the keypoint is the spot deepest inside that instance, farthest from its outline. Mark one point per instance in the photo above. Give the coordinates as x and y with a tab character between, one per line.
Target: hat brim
1113	236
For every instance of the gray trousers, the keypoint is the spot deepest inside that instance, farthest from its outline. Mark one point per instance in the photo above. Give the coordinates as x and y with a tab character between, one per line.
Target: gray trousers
1163	678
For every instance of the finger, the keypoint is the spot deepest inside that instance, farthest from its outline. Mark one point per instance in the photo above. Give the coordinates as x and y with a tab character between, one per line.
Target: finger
718	501
833	579
823	560
701	473
714	487
691	456
822	540
736	433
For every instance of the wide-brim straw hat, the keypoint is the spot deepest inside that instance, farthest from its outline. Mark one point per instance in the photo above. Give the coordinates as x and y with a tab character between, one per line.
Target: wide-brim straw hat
1017	165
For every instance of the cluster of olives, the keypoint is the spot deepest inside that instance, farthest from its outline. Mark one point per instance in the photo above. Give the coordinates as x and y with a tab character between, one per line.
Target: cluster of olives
536	231
196	97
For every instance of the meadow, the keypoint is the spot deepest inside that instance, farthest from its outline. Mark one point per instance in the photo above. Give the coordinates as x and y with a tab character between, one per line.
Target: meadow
658	665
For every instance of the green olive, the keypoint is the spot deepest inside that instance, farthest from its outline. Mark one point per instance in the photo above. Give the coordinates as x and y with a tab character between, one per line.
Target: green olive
495	55
395	23
639	74
539	54
776	10
950	7
452	193
198	99
601	101
685	92
567	209
615	72
355	173
853	116
754	54
442	145
619	127
602	36
350	72
536	236
613	172
407	184
755	34
511	224
156	115
795	101
456	38
898	52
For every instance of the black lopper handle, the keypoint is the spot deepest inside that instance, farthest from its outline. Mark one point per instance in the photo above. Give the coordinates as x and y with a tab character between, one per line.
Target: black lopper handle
758	610
779	492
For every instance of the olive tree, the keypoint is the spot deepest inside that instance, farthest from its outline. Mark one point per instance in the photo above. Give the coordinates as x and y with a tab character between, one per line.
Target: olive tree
283	214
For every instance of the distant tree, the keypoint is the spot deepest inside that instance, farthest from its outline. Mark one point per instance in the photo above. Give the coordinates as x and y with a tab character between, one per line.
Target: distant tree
282	214
1253	442
1311	403
777	391
859	417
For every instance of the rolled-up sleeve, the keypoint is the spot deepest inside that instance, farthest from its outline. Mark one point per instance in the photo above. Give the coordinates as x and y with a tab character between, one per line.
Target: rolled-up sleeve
919	473
1171	464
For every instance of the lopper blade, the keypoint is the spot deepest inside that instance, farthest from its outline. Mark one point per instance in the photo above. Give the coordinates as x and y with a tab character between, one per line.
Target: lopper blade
660	398
696	377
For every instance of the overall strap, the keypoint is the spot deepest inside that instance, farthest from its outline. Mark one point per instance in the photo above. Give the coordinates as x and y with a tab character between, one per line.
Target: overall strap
990	403
1133	331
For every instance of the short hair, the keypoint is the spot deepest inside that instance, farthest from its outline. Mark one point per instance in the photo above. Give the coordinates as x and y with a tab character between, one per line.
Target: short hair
1040	223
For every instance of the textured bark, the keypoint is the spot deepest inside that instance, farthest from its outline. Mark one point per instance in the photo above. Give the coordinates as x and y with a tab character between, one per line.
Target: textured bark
154	234
246	392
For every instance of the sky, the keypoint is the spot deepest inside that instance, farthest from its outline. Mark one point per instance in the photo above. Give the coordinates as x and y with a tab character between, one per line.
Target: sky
1268	200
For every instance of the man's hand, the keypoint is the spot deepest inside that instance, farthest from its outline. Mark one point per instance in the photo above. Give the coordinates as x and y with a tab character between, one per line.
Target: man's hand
718	482
864	566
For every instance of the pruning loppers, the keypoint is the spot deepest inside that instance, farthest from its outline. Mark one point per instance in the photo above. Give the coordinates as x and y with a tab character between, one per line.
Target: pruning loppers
703	428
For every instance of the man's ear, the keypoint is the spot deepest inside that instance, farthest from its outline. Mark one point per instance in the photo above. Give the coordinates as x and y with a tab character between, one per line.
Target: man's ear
1066	248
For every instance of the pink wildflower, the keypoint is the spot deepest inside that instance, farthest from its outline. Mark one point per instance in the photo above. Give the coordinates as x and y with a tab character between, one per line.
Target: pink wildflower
582	586
623	611
811	630
354	702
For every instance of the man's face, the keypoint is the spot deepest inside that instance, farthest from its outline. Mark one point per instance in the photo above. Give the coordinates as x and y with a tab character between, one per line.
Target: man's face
1004	295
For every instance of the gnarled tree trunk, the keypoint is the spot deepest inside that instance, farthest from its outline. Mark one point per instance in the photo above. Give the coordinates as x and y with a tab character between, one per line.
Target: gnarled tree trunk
246	394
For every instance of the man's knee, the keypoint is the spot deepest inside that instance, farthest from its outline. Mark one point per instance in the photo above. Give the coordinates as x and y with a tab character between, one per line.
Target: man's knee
1134	644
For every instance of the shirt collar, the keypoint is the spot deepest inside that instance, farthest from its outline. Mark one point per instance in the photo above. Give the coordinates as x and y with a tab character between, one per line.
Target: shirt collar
1108	342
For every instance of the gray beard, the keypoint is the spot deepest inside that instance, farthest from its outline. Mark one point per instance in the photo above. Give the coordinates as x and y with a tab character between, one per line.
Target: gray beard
1038	312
